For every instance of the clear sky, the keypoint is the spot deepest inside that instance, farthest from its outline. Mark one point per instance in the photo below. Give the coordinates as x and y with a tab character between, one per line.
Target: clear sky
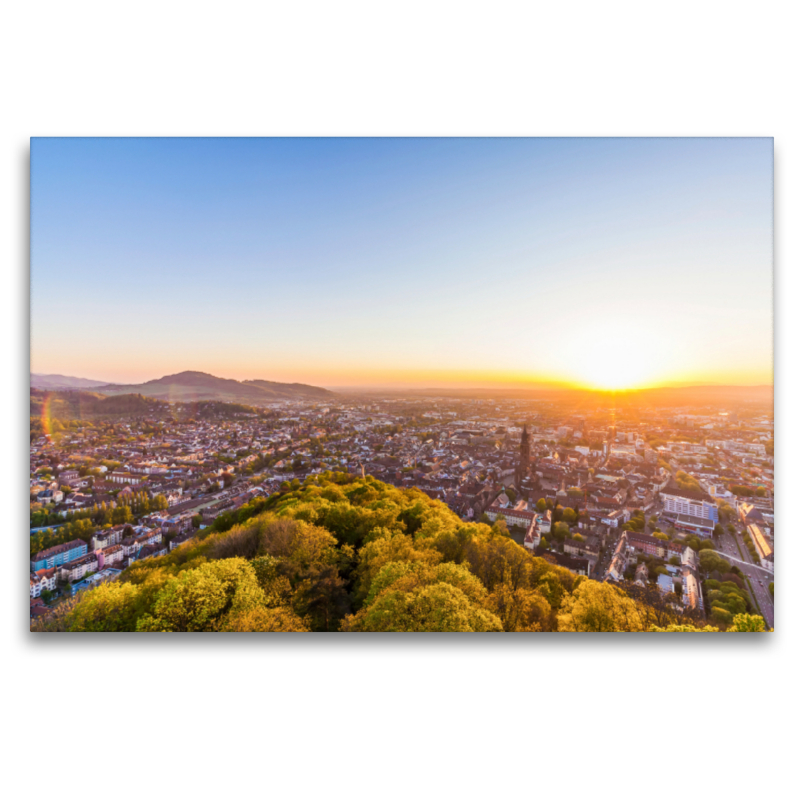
608	263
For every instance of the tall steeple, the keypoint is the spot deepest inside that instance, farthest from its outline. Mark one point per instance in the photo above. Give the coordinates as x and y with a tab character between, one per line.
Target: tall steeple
561	494
524	457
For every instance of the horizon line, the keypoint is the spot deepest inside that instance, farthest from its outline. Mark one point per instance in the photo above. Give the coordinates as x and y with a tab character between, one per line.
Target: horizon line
395	387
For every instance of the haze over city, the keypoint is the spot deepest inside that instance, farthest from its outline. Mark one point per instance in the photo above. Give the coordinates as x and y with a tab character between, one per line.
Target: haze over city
596	263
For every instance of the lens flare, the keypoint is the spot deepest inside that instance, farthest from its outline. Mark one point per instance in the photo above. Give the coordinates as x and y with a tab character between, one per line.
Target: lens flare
46	418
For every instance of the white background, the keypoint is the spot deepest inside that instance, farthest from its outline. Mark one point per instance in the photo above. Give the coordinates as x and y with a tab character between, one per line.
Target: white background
659	717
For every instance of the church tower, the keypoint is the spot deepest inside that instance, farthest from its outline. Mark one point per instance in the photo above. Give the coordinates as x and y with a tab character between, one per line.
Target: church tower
561	494
524	457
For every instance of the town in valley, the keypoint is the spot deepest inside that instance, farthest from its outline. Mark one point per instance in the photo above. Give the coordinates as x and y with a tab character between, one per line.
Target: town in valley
658	498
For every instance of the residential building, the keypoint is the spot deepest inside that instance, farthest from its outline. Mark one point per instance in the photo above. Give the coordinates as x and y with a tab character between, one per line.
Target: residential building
41	580
58	555
180	539
533	536
665	584
579	566
103	539
111	556
692	595
642	543
75	570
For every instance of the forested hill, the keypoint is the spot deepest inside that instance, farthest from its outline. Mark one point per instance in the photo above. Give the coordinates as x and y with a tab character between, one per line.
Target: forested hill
291	389
340	553
69	405
52	412
194	386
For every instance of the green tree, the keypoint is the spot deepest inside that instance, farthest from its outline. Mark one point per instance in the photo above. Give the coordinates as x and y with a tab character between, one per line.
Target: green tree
721	615
198	599
520	609
500	527
711	561
559	531
264	620
726	512
747	623
600	607
112	606
439	607
121	515
321	597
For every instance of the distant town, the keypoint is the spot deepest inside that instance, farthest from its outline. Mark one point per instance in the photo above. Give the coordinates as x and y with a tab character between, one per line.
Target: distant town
654	499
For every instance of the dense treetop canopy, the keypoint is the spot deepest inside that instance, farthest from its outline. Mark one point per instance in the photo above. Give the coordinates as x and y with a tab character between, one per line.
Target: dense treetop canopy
341	553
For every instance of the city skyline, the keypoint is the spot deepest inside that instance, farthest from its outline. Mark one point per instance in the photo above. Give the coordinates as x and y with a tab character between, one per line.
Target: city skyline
594	263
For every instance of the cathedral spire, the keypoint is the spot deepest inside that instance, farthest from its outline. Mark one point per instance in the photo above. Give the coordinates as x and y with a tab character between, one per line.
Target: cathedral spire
524	457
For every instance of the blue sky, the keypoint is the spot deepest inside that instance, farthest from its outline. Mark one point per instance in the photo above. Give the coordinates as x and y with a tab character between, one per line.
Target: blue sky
404	261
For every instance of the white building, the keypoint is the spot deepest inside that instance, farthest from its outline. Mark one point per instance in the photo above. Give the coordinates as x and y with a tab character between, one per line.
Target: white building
41	580
687	502
75	570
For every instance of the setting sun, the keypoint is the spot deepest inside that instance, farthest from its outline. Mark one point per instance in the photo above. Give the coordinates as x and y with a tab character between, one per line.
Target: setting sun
617	358
594	272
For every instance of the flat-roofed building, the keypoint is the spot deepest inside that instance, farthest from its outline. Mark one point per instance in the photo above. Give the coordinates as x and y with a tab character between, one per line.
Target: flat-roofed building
690	510
763	547
692	595
58	555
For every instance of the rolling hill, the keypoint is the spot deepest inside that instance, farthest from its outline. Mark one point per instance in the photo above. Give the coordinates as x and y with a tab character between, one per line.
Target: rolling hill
39	381
295	388
195	386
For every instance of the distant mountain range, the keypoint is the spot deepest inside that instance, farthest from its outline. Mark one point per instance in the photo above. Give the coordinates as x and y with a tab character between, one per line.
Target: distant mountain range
62	382
192	386
662	396
706	395
198	386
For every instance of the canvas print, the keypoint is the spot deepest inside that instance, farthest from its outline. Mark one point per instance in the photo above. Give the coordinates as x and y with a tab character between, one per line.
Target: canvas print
401	385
